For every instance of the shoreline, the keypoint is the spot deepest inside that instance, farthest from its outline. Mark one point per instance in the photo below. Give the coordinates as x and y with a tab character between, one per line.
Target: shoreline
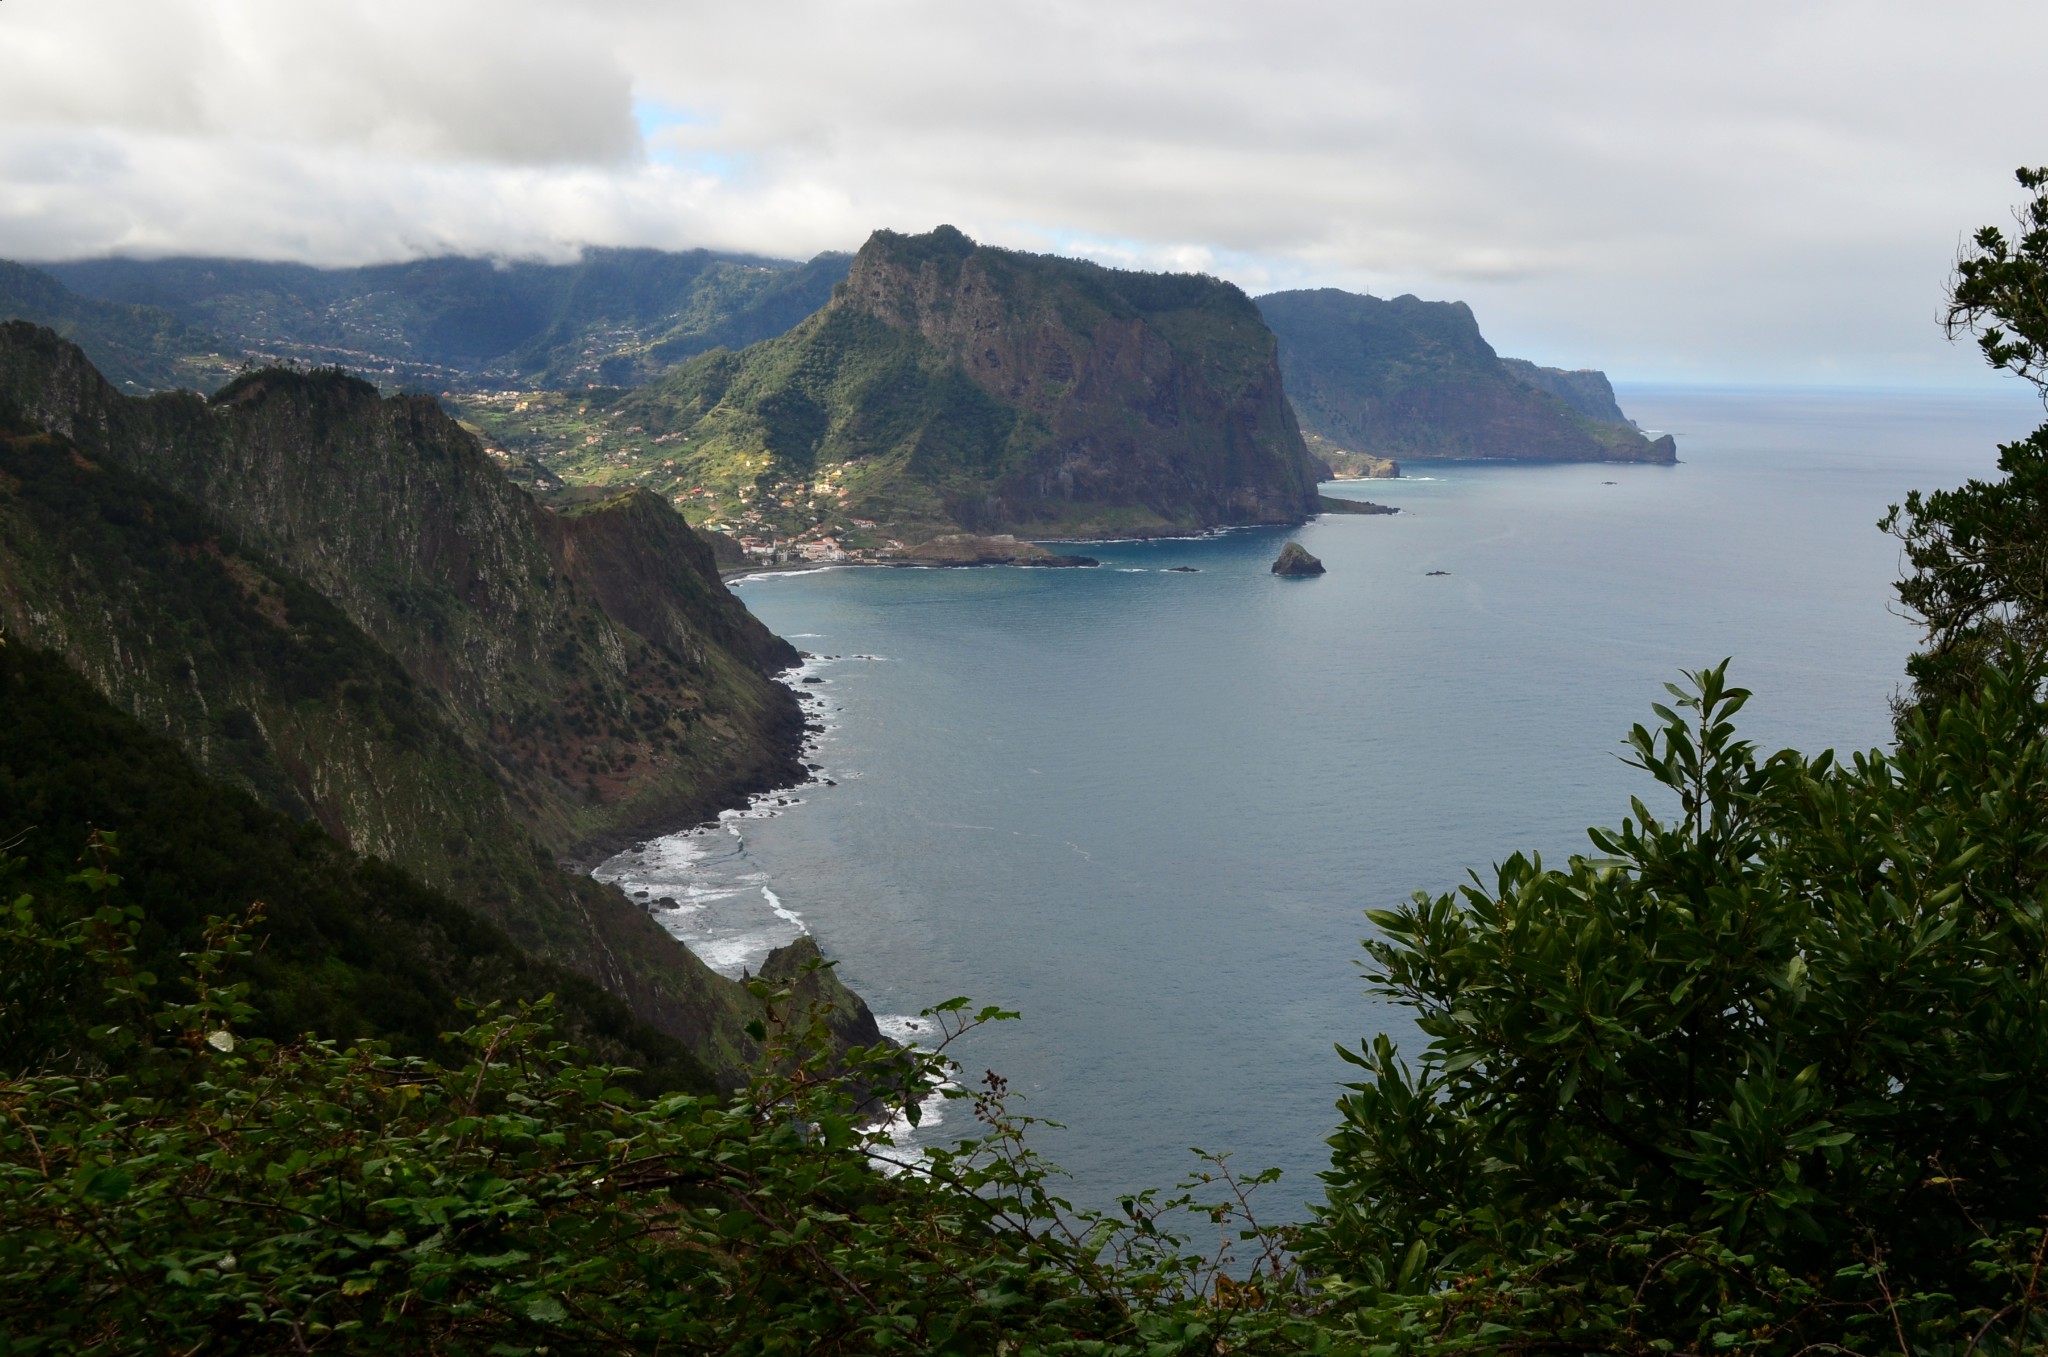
730	573
785	768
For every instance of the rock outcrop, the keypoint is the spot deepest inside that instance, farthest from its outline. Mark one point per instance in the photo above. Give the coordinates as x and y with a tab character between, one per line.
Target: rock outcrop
1333	505
1411	378
1294	560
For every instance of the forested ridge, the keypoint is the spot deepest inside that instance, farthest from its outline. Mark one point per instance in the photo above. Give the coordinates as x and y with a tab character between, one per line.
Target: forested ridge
1761	1072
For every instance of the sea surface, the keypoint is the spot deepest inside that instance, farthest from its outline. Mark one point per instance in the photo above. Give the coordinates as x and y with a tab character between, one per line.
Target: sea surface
1145	807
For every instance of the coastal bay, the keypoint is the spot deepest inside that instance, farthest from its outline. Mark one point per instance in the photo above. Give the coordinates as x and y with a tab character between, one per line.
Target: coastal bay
1146	805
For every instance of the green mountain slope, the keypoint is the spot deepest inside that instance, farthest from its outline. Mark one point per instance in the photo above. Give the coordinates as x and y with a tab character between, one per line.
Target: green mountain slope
365	626
614	317
1409	378
951	386
139	348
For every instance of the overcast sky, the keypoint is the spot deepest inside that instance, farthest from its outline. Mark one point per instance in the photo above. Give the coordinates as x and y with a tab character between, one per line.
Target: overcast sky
1727	192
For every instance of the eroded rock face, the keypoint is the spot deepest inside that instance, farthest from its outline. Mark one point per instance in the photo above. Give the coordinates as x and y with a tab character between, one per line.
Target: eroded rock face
1294	560
592	658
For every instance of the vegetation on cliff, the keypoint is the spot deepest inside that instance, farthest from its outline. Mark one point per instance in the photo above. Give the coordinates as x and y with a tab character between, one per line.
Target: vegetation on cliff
1410	378
350	946
950	386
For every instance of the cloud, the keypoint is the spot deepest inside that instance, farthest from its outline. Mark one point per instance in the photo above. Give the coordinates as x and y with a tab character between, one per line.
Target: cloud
1745	190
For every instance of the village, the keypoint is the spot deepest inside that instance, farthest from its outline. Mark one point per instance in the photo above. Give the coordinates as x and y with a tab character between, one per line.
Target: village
555	443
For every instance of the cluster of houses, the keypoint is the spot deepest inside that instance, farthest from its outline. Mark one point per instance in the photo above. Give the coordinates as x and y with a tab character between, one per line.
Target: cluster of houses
825	549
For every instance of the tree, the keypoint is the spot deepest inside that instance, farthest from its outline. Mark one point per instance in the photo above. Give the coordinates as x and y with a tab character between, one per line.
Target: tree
1979	554
1769	1072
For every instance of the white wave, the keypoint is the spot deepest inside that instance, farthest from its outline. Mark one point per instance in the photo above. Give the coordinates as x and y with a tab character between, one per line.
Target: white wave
931	1110
786	915
905	1030
730	956
786	574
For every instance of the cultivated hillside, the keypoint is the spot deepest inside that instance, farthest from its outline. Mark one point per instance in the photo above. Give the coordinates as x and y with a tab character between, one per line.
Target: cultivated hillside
1409	378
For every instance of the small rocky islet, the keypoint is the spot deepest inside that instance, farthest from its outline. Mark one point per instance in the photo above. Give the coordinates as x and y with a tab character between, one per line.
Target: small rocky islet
1294	562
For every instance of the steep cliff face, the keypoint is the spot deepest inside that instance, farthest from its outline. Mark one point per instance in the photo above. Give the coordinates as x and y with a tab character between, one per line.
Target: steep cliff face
490	603
1410	378
952	386
333	601
1584	390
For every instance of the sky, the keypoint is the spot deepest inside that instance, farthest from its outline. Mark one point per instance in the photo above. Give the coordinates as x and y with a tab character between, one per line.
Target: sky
1735	192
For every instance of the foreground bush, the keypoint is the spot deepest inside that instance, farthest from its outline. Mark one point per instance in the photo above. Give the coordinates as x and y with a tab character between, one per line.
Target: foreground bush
1769	1072
178	1188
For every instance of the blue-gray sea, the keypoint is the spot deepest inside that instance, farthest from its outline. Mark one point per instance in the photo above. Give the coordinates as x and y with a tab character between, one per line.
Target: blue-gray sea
1146	808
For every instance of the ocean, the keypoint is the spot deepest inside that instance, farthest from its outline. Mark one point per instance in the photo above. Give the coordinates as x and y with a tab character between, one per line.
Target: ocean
1146	807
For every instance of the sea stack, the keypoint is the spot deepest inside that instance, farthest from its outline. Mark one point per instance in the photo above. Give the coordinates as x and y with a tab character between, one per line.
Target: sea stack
1294	560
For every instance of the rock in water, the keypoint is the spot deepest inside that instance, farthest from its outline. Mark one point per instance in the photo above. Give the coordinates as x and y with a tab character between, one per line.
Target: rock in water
1294	560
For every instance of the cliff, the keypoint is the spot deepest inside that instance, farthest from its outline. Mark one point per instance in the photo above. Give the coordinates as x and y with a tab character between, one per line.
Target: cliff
488	601
954	387
1411	378
336	602
1586	391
